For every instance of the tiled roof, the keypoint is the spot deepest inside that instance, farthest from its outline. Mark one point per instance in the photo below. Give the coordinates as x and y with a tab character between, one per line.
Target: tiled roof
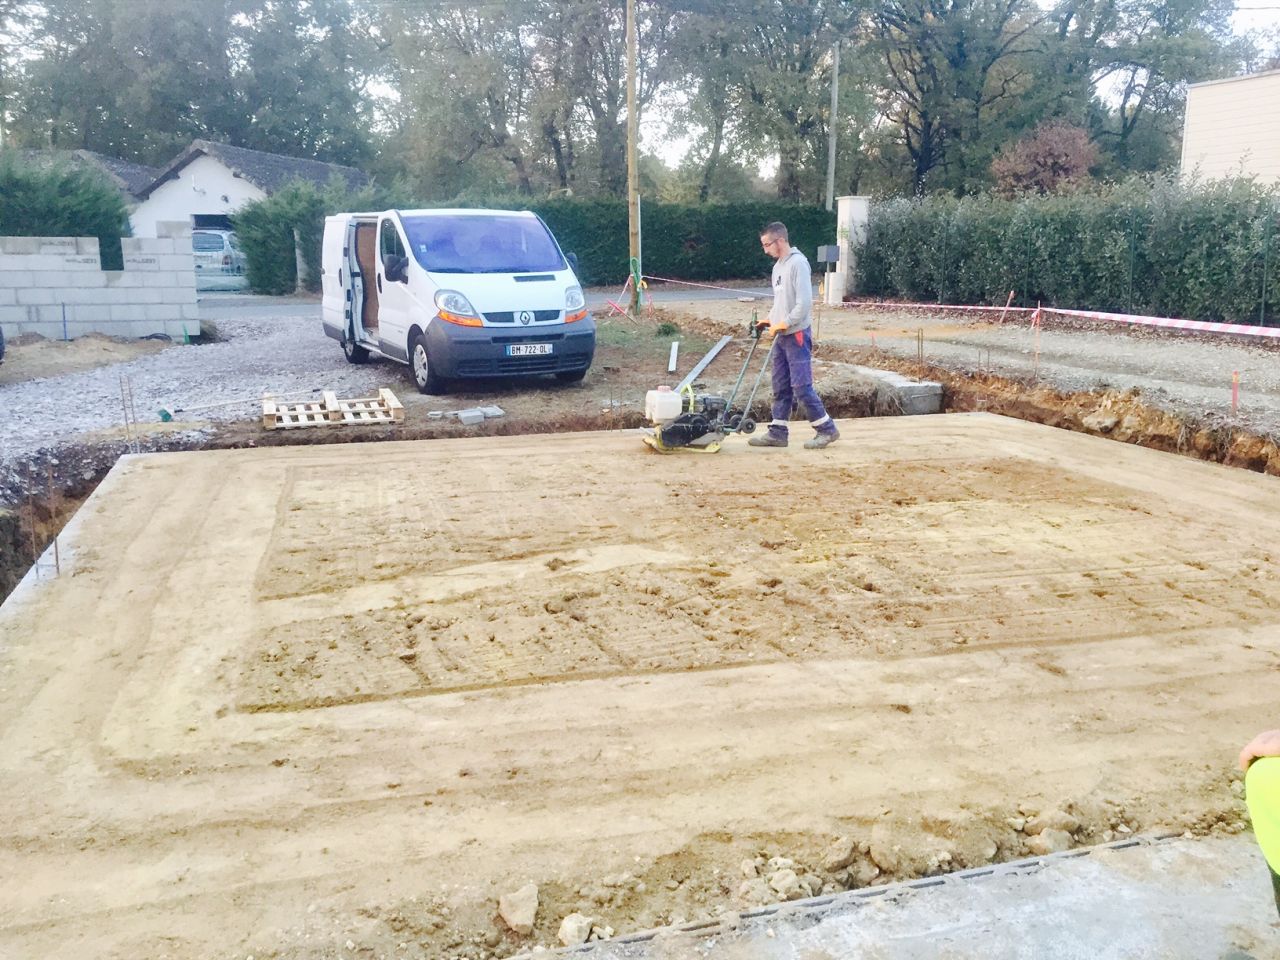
268	171
130	178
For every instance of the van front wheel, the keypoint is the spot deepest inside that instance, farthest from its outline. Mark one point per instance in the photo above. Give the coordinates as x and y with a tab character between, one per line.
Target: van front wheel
353	351
424	374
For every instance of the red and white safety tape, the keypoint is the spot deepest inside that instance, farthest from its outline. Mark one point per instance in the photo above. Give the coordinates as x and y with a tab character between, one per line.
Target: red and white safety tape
1235	329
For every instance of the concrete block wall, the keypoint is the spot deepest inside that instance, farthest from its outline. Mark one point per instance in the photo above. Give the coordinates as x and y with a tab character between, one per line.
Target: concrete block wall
56	287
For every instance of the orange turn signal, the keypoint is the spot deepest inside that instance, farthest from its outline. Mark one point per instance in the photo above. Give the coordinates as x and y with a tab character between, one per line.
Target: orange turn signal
574	317
461	320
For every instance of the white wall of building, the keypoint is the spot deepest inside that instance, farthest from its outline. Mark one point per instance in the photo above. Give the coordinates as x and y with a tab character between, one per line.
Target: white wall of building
203	186
56	287
1232	127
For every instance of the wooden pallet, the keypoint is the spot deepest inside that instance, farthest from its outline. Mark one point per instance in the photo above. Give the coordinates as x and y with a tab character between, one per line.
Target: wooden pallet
384	408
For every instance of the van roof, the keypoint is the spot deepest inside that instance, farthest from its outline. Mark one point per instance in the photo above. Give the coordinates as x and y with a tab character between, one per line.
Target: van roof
463	212
443	212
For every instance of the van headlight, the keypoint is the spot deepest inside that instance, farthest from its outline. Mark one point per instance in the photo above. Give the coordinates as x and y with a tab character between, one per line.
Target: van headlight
574	300
453	307
451	301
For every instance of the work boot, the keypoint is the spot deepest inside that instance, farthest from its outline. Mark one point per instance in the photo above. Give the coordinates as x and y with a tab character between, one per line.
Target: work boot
767	440
822	439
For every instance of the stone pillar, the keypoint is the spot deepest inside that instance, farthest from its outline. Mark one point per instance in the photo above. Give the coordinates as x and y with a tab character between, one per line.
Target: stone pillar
852	214
300	264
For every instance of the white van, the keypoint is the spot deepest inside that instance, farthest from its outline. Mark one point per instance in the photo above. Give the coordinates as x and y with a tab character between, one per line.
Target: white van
455	294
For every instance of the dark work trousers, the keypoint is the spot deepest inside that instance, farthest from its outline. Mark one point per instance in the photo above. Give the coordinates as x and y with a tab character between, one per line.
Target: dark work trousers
793	383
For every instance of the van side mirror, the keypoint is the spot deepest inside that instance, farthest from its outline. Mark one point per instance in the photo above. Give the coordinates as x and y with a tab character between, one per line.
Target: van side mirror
573	261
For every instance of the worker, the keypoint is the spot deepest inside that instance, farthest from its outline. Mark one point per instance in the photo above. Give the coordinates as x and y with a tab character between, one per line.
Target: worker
790	322
1260	760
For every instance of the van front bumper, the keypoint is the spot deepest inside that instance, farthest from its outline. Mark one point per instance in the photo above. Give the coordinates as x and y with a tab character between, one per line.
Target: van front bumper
458	352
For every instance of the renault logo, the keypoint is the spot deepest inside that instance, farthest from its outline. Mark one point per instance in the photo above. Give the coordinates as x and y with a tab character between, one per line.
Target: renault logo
526	317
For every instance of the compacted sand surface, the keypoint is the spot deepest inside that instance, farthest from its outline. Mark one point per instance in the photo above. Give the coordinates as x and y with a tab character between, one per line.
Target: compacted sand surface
336	700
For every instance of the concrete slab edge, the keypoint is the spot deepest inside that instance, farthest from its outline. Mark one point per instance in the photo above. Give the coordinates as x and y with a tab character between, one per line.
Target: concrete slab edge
850	898
42	572
913	396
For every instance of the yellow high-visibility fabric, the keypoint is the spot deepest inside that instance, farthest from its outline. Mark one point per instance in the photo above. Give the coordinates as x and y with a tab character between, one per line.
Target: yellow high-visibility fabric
1262	794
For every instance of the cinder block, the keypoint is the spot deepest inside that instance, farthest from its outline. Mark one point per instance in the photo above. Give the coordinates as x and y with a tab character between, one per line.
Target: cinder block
22	246
49	279
66	279
191	312
51	313
87	246
176	261
119	298
19	261
186	278
77	264
90	313
145	295
15	315
160	312
58	246
35	295
130	280
65	284
16	279
160	278
127	312
8	296
80	295
177	295
140	262
146	246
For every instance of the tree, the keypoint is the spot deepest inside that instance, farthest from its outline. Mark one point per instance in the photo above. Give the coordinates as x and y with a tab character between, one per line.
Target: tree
1157	47
469	83
302	80
61	201
961	71
139	79
1057	155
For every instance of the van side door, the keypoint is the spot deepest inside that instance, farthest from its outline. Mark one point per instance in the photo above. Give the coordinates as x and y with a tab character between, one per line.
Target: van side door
396	309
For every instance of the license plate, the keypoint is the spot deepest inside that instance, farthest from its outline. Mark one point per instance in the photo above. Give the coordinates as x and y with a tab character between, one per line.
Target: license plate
528	349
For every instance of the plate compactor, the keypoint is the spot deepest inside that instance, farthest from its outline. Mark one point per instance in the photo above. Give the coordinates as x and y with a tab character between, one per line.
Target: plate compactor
685	422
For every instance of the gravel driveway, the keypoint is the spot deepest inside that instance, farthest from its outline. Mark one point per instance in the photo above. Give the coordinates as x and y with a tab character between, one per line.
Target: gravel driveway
256	354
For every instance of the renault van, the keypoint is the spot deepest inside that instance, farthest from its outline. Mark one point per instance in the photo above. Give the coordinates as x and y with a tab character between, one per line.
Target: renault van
455	294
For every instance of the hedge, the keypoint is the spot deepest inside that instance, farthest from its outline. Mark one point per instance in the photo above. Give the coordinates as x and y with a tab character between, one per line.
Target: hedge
62	201
681	242
701	243
1197	251
266	231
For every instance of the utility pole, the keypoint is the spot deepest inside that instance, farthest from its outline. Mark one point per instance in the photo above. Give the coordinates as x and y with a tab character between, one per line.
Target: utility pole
633	167
831	126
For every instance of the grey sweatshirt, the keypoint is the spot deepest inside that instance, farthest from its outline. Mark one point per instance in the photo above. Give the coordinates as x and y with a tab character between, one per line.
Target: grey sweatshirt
792	292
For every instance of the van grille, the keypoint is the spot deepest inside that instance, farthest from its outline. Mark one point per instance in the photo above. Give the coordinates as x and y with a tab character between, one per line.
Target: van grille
531	338
519	365
509	316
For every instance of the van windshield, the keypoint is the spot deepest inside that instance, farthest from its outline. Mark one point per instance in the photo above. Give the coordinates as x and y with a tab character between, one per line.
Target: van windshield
482	244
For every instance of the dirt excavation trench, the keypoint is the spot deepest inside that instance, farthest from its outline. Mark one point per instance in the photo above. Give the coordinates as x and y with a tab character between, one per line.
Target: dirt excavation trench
337	700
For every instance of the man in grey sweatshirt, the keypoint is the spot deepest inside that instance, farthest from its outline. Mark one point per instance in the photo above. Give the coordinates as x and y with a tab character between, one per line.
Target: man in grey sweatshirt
790	321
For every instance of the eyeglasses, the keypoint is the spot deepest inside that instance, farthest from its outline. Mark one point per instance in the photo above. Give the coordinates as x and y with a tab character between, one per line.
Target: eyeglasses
767	244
